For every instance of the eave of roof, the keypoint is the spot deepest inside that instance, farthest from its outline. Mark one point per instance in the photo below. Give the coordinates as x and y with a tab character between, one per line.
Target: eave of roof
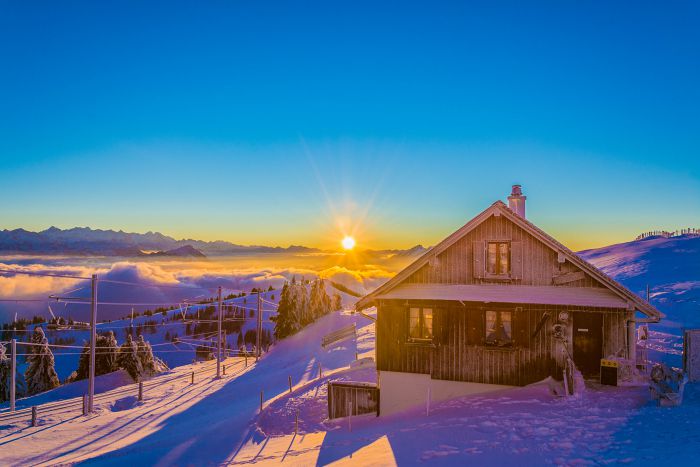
531	228
597	297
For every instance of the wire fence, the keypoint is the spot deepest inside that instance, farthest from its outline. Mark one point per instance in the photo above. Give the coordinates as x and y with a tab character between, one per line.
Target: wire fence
75	405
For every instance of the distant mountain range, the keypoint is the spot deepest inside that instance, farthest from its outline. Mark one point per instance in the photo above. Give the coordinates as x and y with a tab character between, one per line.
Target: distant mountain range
84	241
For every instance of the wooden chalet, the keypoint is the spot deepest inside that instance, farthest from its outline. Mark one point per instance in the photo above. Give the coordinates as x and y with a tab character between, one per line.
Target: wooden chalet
497	303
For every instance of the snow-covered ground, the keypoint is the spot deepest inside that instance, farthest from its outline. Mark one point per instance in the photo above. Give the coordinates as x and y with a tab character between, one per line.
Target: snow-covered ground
518	426
179	423
669	266
218	422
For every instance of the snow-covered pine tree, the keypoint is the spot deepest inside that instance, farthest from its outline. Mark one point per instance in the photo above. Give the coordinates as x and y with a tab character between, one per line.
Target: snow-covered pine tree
36	338
5	375
150	364
105	357
41	372
285	321
109	350
319	301
302	310
128	358
314	304
336	302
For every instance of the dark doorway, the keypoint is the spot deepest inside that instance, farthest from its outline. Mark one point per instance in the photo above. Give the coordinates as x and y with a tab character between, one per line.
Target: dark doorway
588	342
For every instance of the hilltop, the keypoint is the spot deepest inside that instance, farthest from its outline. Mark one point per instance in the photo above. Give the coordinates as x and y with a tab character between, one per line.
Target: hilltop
670	266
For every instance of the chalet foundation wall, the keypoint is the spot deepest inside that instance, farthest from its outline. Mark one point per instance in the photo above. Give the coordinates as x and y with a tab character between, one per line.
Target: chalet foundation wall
400	391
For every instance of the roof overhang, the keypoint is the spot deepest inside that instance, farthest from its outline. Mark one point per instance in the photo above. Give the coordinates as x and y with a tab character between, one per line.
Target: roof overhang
596	297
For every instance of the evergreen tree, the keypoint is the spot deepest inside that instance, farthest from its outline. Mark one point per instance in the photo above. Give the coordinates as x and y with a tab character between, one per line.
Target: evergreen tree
302	310
36	338
41	373
150	365
336	302
106	351
6	377
128	358
286	323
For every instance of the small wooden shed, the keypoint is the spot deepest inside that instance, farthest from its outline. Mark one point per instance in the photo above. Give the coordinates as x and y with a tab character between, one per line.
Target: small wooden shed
497	303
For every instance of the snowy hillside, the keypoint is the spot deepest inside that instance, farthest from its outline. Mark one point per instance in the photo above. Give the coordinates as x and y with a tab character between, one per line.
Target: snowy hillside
168	335
671	268
183	424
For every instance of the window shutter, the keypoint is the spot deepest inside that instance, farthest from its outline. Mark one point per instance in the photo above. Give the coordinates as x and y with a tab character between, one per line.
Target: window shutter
516	260
480	320
404	313
471	317
479	253
521	333
475	327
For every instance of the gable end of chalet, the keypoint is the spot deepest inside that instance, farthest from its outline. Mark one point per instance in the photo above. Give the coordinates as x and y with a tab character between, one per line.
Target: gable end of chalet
500	248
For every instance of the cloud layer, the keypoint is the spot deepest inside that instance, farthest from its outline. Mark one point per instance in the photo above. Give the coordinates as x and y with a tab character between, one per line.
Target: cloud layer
166	283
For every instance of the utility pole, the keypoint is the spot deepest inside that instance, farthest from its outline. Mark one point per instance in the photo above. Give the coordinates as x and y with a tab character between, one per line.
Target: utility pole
258	340
93	340
218	358
14	375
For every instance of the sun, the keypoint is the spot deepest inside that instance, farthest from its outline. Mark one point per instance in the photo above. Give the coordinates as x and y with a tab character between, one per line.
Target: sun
348	243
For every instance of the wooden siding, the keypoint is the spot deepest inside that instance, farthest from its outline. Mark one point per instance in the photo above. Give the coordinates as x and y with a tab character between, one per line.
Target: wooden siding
533	262
458	353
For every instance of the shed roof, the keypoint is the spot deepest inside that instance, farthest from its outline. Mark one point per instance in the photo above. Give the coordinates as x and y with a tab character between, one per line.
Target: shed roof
490	293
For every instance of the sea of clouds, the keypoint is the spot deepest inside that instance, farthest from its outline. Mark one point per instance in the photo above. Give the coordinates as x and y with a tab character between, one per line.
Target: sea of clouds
166	282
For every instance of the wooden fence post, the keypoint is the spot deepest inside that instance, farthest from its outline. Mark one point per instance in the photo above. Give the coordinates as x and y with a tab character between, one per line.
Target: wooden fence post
290	384
261	401
34	415
85	404
296	422
224	370
192	378
140	391
427	403
349	416
320	374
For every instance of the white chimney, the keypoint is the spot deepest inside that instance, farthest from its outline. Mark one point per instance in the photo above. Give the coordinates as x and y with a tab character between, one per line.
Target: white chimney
516	201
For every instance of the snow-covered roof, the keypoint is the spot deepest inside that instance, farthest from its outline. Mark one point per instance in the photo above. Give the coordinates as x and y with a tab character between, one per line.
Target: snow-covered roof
499	208
490	293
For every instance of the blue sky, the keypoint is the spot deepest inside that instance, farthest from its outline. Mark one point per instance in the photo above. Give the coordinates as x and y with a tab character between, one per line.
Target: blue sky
299	122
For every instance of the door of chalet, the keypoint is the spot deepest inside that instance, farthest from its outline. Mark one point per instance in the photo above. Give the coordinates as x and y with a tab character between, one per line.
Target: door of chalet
588	342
